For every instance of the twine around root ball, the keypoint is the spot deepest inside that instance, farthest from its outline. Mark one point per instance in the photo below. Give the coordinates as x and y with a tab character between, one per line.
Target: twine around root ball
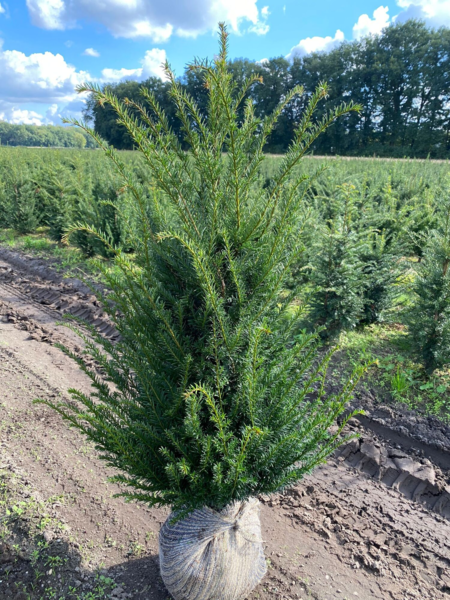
213	555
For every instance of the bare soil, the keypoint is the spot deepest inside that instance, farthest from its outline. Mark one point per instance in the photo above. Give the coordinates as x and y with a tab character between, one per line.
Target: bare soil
373	523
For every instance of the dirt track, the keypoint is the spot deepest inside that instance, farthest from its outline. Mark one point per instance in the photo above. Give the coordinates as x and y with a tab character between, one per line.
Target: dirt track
371	524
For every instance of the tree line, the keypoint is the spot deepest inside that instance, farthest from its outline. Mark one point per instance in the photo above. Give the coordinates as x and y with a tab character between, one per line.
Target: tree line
42	135
400	77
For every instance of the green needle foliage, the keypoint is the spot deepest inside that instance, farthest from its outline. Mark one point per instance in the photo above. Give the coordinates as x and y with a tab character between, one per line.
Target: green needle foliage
337	269
59	193
429	316
380	272
209	397
22	207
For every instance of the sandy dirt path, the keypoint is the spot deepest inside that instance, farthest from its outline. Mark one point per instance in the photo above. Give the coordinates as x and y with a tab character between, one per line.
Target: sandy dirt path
342	533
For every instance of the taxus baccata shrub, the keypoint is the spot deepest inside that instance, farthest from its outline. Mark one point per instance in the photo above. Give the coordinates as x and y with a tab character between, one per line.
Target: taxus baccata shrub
428	317
337	270
381	271
208	399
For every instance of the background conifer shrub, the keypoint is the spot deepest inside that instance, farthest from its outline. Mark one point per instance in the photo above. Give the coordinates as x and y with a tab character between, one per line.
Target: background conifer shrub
337	269
381	272
23	206
213	399
428	317
59	192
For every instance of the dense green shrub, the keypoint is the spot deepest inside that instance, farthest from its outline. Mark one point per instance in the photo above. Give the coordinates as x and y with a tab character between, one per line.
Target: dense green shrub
102	217
429	316
56	189
4	204
420	217
59	192
380	273
209	397
23	213
384	213
337	271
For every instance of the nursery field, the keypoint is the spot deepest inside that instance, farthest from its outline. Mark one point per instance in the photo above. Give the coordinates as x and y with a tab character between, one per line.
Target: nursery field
367	224
373	523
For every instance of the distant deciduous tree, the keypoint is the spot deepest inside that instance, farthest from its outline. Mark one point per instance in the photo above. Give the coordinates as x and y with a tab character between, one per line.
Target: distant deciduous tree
400	77
42	135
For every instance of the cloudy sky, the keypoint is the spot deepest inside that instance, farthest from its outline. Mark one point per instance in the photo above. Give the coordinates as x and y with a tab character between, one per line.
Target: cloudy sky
48	46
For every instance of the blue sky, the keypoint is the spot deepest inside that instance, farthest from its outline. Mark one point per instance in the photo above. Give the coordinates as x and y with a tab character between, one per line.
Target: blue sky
48	46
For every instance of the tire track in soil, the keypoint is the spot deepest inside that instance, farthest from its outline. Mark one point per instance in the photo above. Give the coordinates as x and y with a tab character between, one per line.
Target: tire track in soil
340	533
413	476
54	299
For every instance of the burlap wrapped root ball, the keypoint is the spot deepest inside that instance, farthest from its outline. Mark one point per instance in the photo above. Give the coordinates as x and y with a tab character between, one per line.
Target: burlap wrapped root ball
213	555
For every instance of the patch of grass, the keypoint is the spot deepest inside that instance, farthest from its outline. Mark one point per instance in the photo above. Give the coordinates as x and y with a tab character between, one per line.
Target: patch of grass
40	244
8	237
63	258
395	374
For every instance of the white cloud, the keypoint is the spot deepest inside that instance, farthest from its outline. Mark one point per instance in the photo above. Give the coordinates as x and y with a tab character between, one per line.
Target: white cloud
261	26
41	77
91	52
152	66
145	29
114	75
47	79
20	116
72	109
52	115
2	9
52	110
316	44
48	14
366	26
148	18
436	13
263	63
231	11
